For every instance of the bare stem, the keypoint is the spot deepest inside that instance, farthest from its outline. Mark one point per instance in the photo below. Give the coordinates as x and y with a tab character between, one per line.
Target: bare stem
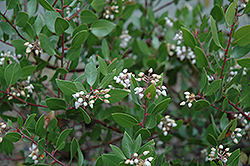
162	7
239	110
77	11
145	114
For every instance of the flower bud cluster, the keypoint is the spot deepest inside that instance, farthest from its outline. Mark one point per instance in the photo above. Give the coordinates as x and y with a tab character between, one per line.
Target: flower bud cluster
166	124
3	129
234	71
220	153
190	98
150	78
125	38
110	10
19	89
124	78
242	120
181	52
135	159
33	47
169	22
236	135
35	154
10	58
85	99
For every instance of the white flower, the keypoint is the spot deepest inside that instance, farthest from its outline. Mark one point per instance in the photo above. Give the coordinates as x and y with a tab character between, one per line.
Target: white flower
163	87
106	101
183	103
238	135
127	161
81	93
147	163
235	141
164	93
125	71
165	133
145	152
85	104
141	95
77	104
107	96
36	161
131	162
221	147
150	70
150	159
187	93
136	161
224	160
80	100
34	157
174	124
189	105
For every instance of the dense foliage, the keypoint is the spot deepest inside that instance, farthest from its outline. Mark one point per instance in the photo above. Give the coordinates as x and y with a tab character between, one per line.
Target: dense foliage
121	82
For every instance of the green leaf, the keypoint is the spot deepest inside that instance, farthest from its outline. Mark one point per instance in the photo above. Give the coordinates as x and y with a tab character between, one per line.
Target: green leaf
201	104
230	13
12	73
217	13
106	80
230	127
7	146
102	27
242	35
160	106
102	66
60	143
145	133
29	30
80	157
73	148
91	72
245	94
20	121
214	32
239	52
39	23
105	49
204	79
67	87
41	145
143	47
211	139
110	160
19	45
61	25
124	120
117	151
98	5
79	38
150	92
127	145
212	88
234	158
28	70
22	19
29	120
201	59
117	95
244	62
247	9
39	126
46	5
45	44
50	18
86	117
188	38
6	28
10	4
56	104
87	16
74	53
137	143
13	136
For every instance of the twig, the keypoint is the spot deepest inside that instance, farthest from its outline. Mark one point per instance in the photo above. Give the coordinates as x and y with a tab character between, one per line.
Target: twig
34	142
6	42
77	11
239	110
156	10
46	86
105	125
23	100
24	118
13	26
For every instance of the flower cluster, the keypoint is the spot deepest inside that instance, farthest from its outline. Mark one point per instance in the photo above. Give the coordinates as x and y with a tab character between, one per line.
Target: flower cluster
135	159
19	89
33	47
10	58
236	135
150	78
234	71
166	124
3	128
35	154
169	22
84	99
190	98
124	78
125	38
242	120
220	154
109	10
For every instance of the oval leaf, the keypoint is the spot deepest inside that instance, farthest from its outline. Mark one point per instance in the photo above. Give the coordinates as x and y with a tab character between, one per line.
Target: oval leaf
124	120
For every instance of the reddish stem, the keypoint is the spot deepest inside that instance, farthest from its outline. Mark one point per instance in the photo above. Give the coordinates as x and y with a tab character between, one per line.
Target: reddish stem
13	27
77	11
156	10
54	3
239	110
145	114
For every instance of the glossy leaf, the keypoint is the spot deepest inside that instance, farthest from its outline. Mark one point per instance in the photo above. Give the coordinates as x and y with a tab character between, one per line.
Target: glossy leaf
60	143
240	51
105	49
145	133
88	16
228	130
201	59
28	70
73	148
45	44
98	5
29	120
127	145
117	151
12	73
91	72
188	38
214	32
102	28
213	87
230	13
22	19
13	136
200	104
46	5
67	87
56	104
160	106
61	25
87	118
242	35
41	145
124	120
117	95
150	92
211	139
244	62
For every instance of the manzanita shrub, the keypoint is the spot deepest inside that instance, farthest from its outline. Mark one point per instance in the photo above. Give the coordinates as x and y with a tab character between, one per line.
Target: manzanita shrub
121	82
